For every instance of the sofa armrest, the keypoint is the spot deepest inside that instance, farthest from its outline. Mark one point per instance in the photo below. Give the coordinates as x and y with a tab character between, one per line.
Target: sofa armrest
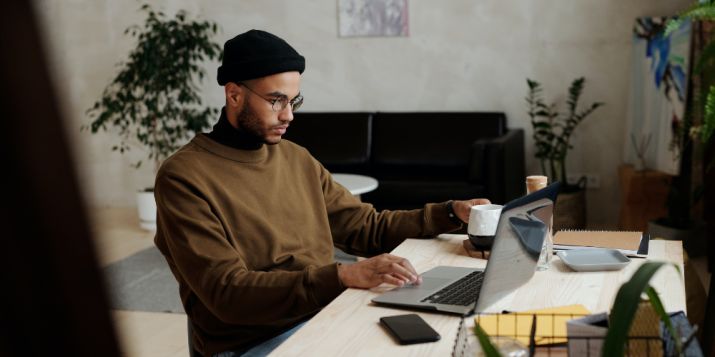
498	164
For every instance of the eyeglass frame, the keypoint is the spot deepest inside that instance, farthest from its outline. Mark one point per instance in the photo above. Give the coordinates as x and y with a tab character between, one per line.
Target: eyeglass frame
297	100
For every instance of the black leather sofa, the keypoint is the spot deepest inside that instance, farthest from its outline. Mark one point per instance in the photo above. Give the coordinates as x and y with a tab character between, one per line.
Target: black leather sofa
418	158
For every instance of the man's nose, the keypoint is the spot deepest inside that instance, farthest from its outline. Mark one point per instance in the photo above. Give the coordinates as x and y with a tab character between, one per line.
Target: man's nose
286	114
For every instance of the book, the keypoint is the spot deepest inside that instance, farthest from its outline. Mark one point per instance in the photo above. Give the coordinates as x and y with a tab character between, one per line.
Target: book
633	244
550	324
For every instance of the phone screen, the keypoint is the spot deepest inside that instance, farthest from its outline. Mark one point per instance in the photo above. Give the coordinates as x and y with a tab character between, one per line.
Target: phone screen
409	329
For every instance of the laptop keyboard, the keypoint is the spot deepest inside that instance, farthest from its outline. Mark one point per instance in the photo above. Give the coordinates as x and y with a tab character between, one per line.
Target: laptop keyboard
462	292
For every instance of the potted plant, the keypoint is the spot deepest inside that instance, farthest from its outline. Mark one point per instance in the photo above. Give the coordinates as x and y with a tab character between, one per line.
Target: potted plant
153	101
552	135
694	133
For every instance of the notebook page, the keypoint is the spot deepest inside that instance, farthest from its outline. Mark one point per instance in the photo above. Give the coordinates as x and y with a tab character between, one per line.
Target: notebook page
600	239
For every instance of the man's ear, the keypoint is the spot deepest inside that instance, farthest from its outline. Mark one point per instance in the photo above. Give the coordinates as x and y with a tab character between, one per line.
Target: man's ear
234	95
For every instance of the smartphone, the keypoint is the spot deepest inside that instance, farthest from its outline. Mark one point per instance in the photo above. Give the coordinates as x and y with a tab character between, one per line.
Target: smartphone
409	329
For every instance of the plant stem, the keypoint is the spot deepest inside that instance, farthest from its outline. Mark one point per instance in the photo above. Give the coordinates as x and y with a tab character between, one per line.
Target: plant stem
554	178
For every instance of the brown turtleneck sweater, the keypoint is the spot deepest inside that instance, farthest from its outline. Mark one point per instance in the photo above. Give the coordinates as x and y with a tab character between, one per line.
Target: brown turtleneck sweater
249	235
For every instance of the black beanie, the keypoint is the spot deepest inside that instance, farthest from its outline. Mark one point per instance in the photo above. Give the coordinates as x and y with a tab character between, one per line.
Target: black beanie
257	54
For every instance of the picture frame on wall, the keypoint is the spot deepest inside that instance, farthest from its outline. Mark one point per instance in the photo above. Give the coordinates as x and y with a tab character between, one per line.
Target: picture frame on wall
362	18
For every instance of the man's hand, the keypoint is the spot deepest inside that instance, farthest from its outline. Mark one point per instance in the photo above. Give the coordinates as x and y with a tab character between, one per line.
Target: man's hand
385	268
463	208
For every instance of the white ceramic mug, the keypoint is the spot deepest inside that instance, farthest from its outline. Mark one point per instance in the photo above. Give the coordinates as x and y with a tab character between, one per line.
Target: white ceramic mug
483	221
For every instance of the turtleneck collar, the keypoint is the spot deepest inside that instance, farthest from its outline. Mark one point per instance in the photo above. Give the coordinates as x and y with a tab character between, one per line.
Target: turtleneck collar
224	133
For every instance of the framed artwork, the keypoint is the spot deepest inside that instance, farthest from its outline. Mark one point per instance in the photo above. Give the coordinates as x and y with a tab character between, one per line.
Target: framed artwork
658	92
359	18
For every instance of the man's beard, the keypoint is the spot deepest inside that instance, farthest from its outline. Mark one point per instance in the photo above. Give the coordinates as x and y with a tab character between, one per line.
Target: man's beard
249	122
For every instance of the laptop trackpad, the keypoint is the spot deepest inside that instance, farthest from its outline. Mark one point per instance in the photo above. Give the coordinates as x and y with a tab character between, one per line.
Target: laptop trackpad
427	284
448	272
412	293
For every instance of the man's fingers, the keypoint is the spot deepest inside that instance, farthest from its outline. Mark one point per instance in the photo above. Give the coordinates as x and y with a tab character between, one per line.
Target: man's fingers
406	263
480	201
396	268
400	276
409	271
387	278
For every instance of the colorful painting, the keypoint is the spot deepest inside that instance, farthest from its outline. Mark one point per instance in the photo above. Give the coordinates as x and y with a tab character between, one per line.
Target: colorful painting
659	82
373	18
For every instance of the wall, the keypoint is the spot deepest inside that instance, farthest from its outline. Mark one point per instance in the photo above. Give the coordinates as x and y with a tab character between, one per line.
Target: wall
461	55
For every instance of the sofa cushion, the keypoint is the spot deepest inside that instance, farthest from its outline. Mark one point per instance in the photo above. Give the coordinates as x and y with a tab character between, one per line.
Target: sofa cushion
334	139
404	192
420	173
433	139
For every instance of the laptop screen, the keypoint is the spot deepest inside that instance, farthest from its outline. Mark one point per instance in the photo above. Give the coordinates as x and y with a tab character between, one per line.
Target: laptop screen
520	234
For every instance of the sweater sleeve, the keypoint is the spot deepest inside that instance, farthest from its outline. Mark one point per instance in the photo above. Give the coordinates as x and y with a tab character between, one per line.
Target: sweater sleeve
193	238
360	230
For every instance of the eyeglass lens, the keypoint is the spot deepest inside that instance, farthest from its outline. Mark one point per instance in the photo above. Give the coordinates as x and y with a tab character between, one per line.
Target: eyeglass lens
281	103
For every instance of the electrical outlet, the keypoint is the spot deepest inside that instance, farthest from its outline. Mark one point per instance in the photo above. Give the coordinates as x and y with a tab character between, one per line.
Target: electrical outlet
572	178
593	181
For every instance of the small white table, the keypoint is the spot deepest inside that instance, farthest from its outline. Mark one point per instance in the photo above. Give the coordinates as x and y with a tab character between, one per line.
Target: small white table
356	184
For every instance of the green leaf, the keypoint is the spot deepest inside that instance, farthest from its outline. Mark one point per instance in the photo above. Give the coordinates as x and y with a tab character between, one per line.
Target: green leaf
487	347
532	84
696	12
708	116
115	147
672	25
624	308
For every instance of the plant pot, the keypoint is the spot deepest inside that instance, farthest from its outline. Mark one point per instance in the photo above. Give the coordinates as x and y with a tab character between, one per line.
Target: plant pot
147	209
570	210
693	237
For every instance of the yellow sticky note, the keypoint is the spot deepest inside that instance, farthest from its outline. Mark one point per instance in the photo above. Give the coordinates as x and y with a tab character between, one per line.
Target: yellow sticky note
550	324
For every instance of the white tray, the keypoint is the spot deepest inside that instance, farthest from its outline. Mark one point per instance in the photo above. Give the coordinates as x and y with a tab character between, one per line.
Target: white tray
594	259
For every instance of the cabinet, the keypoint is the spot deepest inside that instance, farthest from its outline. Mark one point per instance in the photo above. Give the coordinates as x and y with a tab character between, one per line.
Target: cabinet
643	197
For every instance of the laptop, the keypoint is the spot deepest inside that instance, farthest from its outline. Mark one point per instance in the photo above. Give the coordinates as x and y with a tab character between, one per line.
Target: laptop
520	234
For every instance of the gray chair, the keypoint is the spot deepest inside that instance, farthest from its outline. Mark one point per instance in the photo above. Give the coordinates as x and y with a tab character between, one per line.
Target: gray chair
192	351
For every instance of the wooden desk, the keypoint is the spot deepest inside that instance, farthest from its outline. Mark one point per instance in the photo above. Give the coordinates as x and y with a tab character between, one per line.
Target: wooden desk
349	326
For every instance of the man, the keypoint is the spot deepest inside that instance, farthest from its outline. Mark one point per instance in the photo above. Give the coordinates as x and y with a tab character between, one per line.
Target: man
248	222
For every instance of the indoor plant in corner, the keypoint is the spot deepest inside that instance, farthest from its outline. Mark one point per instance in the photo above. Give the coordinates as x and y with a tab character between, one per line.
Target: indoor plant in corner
153	101
695	131
552	135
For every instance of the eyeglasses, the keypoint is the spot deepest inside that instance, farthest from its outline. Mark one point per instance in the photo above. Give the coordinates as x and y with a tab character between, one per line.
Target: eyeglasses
281	102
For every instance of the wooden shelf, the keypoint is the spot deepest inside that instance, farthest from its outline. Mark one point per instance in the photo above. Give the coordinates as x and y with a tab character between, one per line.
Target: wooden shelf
644	195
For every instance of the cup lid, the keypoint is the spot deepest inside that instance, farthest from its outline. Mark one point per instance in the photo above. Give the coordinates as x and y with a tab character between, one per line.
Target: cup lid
536	178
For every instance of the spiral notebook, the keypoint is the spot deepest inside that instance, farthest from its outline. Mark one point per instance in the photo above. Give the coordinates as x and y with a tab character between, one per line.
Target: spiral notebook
633	244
